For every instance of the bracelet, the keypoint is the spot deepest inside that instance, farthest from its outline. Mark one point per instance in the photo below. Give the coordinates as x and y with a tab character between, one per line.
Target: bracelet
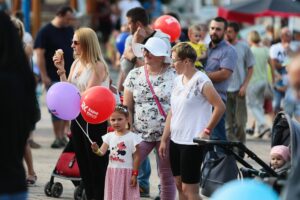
99	152
60	72
135	172
207	131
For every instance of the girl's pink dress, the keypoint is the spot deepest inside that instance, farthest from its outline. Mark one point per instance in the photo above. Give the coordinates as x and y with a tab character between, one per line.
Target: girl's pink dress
119	170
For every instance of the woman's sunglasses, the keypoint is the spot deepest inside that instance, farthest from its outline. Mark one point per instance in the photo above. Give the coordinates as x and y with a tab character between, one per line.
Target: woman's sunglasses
75	42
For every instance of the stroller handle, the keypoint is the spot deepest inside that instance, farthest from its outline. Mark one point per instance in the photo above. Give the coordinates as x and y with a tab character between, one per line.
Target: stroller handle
215	142
228	145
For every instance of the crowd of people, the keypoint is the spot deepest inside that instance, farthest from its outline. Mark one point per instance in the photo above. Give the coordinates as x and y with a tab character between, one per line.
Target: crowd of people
200	86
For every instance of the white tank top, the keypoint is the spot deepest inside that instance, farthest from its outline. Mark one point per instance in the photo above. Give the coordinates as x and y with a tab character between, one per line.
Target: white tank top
81	80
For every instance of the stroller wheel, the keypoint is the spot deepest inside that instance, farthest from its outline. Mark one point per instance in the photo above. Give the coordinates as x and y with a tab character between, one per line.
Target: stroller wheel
78	193
47	189
56	189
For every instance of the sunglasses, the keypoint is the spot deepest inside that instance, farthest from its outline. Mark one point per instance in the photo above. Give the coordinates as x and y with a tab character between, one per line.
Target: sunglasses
75	42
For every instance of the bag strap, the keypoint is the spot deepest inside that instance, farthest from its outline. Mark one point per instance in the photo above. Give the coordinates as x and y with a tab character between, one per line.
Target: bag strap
161	110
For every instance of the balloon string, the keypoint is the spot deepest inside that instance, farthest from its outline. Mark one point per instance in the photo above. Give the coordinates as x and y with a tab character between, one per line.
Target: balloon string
84	131
87	131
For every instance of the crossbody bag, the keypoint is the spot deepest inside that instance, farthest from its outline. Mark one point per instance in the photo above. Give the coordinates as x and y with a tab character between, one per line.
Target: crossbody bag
160	108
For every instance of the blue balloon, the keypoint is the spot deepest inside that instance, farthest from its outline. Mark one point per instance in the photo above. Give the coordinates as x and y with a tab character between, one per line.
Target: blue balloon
246	189
120	41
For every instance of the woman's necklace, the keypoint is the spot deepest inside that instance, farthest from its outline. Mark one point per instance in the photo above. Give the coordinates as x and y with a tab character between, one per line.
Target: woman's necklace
155	73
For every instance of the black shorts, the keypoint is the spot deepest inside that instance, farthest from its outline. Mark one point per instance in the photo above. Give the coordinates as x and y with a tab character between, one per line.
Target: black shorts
186	161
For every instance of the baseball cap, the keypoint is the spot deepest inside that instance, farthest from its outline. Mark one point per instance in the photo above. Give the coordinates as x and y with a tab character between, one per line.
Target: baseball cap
154	45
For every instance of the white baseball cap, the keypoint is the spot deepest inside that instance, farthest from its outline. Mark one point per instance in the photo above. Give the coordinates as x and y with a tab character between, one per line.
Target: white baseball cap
154	45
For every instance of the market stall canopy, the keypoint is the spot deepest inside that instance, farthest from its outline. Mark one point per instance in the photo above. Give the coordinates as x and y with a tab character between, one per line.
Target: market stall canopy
248	11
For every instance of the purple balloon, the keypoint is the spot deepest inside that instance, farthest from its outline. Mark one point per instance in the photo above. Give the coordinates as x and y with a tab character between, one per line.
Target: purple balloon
63	100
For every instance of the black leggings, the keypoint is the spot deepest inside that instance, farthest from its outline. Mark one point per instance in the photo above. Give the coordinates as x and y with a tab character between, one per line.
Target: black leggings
92	167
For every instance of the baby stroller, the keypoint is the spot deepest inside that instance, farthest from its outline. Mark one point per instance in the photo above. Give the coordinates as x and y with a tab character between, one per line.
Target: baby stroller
66	168
222	167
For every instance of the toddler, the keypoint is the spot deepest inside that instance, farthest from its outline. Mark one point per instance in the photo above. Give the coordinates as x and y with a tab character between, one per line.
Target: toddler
280	160
194	34
122	170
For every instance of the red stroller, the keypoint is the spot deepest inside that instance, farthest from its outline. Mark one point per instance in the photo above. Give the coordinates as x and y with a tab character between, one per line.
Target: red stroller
66	168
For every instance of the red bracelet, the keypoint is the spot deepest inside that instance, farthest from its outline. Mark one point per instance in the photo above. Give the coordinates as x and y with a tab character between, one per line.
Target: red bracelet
206	131
135	172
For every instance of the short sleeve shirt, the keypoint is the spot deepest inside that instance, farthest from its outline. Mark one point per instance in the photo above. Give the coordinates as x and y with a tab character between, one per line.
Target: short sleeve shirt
121	149
245	60
261	55
191	111
51	38
222	56
278	52
200	48
147	119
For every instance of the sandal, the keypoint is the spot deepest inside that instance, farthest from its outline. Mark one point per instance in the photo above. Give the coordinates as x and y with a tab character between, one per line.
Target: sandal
31	180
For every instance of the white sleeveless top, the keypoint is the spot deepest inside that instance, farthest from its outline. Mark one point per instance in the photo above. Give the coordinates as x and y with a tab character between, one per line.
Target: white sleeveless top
81	80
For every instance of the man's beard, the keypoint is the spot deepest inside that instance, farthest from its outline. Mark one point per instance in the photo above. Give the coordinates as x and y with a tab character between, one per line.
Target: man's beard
216	39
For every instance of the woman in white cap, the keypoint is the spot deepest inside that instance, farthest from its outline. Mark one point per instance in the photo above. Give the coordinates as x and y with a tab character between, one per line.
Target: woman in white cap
147	95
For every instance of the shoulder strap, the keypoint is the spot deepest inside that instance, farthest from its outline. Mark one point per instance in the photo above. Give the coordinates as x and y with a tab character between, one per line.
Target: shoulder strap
161	110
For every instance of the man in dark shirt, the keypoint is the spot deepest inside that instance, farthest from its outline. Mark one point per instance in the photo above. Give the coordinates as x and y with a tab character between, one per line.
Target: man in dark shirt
55	35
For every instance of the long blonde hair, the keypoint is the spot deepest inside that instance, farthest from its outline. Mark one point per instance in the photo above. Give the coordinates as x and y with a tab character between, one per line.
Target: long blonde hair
91	50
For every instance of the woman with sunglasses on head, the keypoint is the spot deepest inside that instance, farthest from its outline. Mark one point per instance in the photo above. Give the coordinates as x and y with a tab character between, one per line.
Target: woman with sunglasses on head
88	69
191	115
147	95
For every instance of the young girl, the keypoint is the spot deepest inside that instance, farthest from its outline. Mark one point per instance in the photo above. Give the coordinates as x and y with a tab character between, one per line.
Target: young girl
122	171
280	160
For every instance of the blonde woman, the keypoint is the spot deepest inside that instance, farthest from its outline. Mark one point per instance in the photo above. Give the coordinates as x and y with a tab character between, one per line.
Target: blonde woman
88	69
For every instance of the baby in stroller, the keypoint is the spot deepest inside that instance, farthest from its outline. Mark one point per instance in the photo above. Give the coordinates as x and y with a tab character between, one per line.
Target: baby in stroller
280	160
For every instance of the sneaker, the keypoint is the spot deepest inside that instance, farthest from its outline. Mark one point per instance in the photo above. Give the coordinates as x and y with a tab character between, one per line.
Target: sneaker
157	198
144	192
56	144
250	131
33	144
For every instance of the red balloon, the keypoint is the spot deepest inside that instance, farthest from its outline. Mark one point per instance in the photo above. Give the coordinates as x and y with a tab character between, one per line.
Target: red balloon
168	25
97	104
